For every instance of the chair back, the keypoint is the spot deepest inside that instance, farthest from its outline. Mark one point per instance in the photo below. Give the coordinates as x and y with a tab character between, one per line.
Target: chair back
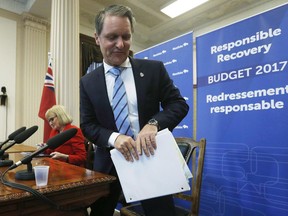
195	152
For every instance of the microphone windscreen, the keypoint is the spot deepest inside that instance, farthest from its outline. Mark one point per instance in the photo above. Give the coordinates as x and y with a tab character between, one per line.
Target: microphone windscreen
61	138
15	133
25	134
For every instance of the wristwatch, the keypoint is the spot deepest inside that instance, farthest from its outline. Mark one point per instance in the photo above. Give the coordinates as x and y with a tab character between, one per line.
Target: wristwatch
153	122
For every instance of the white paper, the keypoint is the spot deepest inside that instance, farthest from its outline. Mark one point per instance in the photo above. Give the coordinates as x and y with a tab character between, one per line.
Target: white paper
154	176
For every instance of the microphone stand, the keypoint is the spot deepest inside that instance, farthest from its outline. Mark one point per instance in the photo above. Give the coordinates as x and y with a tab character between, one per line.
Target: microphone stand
26	174
4	155
17	139
4	162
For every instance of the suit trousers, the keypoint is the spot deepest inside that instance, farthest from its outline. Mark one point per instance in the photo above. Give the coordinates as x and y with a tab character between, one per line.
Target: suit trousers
105	206
160	206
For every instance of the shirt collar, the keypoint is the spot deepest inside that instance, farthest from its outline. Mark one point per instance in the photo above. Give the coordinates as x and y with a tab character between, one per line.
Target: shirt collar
125	64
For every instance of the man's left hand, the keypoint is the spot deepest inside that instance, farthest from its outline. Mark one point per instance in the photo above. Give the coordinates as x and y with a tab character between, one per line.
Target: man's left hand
146	140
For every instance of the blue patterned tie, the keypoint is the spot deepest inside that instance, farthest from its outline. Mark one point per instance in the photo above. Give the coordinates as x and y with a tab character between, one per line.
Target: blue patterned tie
119	103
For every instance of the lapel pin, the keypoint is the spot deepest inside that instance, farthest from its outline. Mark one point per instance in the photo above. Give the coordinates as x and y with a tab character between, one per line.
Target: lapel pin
141	74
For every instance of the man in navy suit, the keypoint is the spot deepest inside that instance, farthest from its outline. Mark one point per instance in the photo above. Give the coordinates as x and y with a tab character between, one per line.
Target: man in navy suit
148	86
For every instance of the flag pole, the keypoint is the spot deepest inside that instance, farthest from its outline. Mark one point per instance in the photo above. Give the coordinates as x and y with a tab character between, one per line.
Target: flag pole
48	98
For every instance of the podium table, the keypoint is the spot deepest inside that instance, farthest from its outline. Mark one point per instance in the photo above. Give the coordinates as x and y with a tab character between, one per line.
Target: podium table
68	186
21	148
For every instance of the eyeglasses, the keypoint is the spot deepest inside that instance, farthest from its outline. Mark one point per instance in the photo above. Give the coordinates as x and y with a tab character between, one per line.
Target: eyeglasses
52	119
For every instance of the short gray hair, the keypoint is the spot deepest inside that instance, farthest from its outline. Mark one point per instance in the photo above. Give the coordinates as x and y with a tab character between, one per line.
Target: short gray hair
113	10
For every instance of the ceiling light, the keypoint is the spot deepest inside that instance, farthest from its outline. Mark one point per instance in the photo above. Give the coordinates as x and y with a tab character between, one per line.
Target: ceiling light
179	7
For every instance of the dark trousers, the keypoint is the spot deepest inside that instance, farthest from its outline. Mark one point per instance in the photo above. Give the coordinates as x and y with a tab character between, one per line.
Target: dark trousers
105	206
160	206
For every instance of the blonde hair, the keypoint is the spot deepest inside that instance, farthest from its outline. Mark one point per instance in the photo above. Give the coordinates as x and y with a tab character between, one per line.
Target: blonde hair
59	111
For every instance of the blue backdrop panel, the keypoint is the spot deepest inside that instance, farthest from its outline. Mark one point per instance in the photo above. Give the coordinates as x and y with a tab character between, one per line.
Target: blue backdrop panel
242	110
176	54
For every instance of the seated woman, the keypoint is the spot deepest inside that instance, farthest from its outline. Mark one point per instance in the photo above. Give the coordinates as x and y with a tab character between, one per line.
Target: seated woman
73	151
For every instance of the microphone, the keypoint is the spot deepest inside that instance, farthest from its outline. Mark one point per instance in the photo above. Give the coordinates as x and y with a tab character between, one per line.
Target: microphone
52	143
17	139
21	137
13	135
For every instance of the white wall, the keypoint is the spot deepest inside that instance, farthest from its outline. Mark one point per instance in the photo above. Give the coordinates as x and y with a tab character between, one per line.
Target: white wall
8	75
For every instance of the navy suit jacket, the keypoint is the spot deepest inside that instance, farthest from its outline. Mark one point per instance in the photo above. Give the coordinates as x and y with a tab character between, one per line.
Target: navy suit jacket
154	88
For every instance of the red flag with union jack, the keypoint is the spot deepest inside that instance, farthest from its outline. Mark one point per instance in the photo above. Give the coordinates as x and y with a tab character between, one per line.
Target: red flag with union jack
48	99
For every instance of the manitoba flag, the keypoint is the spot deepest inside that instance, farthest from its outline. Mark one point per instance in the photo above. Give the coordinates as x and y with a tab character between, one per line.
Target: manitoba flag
48	99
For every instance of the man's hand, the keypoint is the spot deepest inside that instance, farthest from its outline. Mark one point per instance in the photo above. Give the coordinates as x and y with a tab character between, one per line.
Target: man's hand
146	140
126	145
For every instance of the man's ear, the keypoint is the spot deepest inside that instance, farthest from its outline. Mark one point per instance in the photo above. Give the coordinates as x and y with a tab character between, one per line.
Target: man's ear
96	38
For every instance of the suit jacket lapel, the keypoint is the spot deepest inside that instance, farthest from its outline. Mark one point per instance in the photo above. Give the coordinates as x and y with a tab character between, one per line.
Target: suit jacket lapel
100	89
139	78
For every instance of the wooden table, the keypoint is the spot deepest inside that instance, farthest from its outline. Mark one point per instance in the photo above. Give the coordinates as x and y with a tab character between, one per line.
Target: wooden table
17	148
68	186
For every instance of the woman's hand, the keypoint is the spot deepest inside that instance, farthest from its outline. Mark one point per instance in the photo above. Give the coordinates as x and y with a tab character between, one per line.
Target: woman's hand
60	156
40	145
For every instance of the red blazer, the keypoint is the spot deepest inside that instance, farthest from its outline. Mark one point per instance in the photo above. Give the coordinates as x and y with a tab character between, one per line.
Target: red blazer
74	147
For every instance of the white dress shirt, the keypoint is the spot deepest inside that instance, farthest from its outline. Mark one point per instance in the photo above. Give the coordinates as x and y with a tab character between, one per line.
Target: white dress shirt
128	80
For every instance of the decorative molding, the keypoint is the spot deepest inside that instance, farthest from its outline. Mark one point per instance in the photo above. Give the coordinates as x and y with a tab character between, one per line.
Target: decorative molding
35	22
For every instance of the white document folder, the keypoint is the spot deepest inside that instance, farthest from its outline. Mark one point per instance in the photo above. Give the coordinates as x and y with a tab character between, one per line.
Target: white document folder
160	174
